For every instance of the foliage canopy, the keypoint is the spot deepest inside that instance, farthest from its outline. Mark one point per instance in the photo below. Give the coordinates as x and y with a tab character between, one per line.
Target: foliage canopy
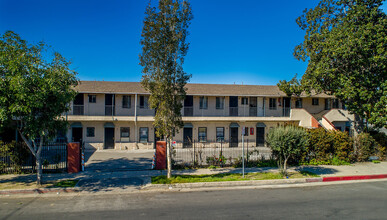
345	46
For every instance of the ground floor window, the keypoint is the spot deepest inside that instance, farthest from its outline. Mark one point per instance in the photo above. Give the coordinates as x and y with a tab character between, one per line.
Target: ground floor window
90	132
125	132
220	134
202	134
144	134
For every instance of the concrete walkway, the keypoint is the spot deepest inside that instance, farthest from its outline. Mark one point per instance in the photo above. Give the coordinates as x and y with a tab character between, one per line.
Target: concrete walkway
94	181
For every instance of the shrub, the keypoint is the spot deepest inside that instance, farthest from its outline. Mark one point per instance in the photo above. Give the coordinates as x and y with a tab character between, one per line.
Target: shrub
287	142
364	146
328	147
370	144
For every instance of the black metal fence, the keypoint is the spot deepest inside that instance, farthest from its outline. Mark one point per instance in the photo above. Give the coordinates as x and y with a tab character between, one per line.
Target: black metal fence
201	154
15	157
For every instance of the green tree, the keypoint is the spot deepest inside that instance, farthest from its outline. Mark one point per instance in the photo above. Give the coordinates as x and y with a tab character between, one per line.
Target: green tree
164	47
34	91
292	87
345	46
287	142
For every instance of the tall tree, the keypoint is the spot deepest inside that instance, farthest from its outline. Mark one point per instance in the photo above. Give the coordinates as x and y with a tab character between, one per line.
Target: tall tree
34	92
345	46
164	47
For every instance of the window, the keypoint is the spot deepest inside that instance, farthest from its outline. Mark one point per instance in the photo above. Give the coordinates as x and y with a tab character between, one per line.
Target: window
315	101
335	103
143	102
202	134
299	103
90	132
92	98
203	102
272	104
125	132
245	101
219	134
126	100
219	102
327	104
144	135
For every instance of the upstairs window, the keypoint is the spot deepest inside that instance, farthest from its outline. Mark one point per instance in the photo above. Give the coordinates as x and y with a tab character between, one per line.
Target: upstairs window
272	104
92	98
245	101
203	102
143	102
327	104
299	103
335	103
202	134
315	101
126	101
219	102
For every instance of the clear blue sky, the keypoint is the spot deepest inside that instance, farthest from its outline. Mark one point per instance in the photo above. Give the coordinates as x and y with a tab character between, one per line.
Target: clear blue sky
249	41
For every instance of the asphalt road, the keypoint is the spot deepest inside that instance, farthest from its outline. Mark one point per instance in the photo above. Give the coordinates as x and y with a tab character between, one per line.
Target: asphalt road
345	201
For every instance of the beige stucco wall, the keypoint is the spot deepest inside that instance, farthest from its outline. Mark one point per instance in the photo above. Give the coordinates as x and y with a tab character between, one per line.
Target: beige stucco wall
307	105
303	116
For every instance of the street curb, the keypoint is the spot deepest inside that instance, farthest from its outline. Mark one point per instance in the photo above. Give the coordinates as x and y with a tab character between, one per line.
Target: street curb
360	177
40	191
259	182
229	183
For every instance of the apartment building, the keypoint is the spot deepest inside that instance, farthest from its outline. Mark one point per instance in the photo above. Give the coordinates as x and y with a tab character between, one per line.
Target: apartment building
116	115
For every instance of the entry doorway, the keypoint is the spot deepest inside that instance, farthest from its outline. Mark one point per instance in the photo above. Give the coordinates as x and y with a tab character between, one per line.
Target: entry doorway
187	137
109	138
234	137
260	138
77	134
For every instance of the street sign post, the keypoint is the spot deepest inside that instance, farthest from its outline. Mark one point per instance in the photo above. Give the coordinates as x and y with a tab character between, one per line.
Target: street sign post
243	152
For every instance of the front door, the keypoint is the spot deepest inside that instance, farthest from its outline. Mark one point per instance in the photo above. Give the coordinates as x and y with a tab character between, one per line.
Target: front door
188	105
233	137
187	134
260	136
109	138
77	135
233	106
253	106
286	109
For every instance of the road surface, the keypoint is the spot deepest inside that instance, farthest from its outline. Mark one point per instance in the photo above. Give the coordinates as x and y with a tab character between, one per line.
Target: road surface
367	200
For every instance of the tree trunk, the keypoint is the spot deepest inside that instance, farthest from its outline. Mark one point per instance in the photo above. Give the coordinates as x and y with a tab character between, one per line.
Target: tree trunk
38	169
169	161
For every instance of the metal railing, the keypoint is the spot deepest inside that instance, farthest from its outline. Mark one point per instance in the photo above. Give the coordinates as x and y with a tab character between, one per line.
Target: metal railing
110	110
188	111
78	109
286	112
202	154
18	158
233	111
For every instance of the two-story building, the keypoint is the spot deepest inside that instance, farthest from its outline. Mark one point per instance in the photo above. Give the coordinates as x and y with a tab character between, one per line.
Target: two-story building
116	115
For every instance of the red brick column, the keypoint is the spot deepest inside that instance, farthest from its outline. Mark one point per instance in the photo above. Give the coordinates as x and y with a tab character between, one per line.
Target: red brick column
73	157
161	155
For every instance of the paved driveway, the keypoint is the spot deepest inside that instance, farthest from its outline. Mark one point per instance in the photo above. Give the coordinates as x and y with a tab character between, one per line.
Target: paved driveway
115	160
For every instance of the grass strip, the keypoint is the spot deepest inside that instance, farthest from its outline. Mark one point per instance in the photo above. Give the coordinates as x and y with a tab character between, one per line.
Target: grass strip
227	177
16	185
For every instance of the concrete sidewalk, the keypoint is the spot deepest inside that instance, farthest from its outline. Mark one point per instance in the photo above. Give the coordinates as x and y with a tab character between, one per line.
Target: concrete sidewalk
92	181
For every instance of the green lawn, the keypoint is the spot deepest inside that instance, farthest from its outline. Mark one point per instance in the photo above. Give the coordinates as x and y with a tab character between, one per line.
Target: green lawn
226	177
14	185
